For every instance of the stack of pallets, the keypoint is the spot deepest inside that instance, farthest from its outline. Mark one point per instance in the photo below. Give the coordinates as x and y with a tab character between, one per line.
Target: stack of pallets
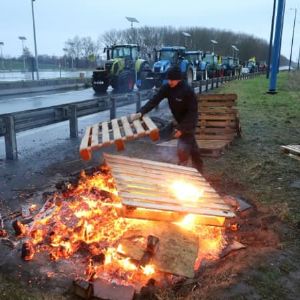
144	188
116	131
218	122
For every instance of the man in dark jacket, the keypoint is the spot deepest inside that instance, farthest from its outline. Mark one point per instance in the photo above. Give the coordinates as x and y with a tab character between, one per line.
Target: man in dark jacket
184	107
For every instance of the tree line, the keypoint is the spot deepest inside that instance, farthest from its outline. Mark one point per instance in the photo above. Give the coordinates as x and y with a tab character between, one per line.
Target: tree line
84	52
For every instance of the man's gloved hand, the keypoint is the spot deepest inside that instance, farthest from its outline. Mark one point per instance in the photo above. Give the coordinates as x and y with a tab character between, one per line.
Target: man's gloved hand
134	117
177	134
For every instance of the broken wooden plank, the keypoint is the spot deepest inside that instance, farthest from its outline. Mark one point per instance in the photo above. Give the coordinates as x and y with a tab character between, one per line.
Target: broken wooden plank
178	248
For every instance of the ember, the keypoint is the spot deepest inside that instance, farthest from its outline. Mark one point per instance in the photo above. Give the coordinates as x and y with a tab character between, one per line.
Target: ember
84	219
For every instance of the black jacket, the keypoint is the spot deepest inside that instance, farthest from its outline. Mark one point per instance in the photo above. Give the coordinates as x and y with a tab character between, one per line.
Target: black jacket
182	102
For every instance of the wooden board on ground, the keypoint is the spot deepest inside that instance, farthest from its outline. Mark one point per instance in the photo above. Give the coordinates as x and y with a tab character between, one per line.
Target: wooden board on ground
117	131
147	184
292	150
177	251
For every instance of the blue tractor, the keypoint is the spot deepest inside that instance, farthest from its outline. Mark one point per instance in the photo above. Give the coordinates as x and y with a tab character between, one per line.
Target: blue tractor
170	56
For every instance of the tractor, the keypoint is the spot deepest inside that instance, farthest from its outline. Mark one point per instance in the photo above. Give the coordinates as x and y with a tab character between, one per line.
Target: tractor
200	67
122	70
168	57
251	65
230	66
213	64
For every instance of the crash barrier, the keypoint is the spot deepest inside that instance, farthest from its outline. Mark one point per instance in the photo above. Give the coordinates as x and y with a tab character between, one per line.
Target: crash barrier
12	123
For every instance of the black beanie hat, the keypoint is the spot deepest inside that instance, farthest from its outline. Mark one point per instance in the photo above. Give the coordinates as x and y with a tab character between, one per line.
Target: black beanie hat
174	73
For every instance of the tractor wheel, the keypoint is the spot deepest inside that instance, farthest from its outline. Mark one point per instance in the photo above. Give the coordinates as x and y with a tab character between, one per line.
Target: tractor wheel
145	83
189	76
100	88
125	82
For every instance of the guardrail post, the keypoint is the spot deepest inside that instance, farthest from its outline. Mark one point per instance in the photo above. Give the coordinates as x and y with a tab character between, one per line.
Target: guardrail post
212	84
113	107
217	82
138	101
206	85
10	138
200	87
73	121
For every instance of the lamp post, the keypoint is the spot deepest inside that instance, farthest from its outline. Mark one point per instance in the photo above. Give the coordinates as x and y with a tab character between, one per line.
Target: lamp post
295	9
214	42
65	57
234	48
2	59
22	39
132	20
186	35
35	46
72	52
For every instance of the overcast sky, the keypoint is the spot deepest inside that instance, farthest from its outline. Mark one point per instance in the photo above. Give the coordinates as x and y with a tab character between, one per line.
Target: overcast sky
58	20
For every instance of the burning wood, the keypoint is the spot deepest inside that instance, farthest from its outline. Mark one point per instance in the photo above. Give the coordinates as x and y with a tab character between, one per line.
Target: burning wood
3	233
83	220
27	251
20	229
152	246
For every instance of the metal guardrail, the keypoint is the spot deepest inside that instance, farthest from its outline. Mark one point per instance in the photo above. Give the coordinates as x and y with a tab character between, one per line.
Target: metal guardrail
12	123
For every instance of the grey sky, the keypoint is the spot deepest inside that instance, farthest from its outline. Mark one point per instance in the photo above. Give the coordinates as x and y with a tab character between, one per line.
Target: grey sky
58	20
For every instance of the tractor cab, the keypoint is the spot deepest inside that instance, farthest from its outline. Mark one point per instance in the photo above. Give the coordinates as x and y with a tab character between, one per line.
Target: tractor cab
170	56
122	70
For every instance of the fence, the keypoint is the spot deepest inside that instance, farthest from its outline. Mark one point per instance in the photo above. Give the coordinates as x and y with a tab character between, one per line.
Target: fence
11	124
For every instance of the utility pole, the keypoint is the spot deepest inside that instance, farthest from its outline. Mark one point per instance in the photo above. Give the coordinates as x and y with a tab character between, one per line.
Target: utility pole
292	38
276	47
35	47
271	40
298	60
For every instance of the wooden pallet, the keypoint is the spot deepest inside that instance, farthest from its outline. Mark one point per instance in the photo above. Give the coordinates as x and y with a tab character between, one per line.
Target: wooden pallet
292	151
218	122
116	132
144	189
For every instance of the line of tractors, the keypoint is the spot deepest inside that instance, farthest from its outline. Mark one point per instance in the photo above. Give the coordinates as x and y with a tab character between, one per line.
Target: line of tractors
125	68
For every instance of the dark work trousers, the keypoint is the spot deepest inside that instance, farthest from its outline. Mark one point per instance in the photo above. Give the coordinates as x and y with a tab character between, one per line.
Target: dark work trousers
187	148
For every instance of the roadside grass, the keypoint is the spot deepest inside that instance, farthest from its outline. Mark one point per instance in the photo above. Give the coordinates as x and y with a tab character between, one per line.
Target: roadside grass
254	165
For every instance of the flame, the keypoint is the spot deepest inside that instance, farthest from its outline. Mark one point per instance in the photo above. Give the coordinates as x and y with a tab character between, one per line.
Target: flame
85	217
186	192
148	270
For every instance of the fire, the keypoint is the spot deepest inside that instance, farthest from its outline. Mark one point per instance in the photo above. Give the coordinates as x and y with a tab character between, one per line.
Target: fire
84	218
186	192
148	270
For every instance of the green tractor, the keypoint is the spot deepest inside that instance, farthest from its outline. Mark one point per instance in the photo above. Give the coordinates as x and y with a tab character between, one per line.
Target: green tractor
122	70
213	64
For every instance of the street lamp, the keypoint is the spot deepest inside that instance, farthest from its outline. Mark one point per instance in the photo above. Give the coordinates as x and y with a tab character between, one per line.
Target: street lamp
292	38
132	20
234	48
35	47
298	60
65	56
1	46
187	35
22	39
213	44
72	51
